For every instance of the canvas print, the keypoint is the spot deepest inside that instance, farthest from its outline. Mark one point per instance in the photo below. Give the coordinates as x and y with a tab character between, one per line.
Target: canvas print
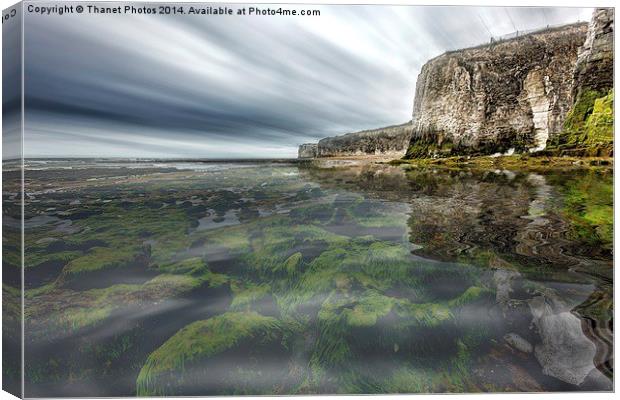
284	199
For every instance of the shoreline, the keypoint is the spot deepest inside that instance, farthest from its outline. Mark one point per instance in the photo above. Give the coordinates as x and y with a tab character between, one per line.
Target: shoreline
518	162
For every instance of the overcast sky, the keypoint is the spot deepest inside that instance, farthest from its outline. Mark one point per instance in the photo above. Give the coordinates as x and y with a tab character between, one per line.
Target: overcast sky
237	86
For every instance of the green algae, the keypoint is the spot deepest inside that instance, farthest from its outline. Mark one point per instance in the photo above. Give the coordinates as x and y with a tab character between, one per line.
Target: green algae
599	125
292	263
272	256
164	369
79	318
452	377
588	204
363	311
588	127
424	148
591	118
101	258
470	295
96	305
192	266
403	332
246	295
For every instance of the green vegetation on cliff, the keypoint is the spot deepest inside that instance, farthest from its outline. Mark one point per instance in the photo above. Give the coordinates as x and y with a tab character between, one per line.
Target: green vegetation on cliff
588	128
427	149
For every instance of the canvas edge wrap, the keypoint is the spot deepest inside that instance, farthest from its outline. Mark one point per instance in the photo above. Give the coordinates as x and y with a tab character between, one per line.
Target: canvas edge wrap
12	186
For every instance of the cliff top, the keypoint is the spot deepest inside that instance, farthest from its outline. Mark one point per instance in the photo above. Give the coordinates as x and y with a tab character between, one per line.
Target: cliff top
530	34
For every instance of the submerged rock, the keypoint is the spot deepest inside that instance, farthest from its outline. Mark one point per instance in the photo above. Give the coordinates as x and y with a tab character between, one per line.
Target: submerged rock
235	350
517	342
565	352
503	280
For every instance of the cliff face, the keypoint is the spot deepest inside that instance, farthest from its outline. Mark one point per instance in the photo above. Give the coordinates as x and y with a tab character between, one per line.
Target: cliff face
588	129
594	69
390	141
307	150
509	96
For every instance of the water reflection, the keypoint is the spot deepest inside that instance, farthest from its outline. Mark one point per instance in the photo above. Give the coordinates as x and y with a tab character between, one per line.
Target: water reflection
526	227
281	279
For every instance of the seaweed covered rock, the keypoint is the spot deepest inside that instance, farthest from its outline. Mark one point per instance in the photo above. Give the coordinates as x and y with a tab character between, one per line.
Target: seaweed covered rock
392	334
58	312
236	352
100	268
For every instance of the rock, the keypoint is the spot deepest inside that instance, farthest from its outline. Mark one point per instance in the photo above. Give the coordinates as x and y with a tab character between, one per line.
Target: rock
503	97
589	125
503	280
307	150
389	141
517	342
595	62
565	352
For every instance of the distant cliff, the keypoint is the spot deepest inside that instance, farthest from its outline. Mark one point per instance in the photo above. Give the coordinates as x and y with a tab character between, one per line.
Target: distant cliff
504	97
307	150
391	141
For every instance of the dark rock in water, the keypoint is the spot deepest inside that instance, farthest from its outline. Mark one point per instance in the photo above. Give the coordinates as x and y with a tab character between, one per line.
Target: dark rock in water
248	214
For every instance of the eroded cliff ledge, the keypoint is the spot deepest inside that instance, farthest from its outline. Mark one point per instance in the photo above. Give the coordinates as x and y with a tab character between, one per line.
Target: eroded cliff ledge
504	97
390	141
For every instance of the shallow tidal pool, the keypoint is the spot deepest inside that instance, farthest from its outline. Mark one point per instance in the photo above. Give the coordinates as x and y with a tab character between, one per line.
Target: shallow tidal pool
281	278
